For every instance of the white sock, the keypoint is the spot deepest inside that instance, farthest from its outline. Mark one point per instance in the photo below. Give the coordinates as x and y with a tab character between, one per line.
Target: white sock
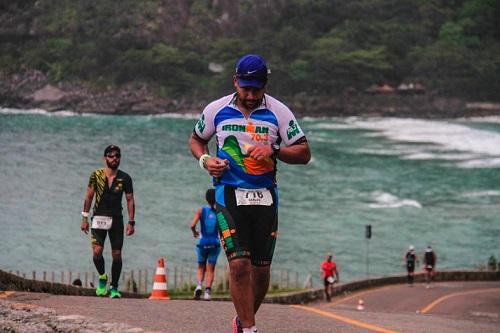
252	329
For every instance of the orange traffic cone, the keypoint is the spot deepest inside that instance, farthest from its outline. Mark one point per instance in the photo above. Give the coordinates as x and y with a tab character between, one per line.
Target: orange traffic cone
160	283
361	305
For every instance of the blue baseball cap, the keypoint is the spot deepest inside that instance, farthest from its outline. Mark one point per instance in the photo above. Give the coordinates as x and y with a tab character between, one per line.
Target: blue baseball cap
251	71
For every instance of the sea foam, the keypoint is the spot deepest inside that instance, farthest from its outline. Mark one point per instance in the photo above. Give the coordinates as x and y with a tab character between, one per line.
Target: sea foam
388	200
486	193
40	112
444	140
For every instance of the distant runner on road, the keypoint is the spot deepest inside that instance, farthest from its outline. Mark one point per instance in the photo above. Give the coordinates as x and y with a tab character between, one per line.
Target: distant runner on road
253	130
208	247
330	275
108	185
430	260
411	261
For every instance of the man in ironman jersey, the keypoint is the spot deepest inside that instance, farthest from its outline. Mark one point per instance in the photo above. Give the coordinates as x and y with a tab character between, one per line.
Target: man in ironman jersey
253	130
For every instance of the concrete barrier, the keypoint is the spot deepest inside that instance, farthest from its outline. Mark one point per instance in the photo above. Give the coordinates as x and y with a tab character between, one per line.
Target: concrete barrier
310	295
10	281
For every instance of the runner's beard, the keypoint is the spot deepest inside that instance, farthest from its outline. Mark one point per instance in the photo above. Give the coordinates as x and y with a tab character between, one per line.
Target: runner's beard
250	104
112	165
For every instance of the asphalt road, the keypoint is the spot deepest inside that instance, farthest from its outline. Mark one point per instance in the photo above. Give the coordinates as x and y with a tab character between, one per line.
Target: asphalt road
446	307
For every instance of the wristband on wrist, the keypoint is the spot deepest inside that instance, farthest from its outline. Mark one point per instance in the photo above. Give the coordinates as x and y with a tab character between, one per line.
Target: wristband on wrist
276	149
202	160
132	223
85	214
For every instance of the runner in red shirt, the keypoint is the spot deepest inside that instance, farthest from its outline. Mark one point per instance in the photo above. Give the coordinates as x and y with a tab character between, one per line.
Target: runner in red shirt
329	274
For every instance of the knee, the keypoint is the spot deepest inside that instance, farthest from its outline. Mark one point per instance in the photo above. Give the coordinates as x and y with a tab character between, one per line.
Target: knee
240	269
97	252
116	254
261	273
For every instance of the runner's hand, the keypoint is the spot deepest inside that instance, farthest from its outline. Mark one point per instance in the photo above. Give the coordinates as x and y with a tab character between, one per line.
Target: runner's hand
84	225
130	229
216	166
196	234
260	152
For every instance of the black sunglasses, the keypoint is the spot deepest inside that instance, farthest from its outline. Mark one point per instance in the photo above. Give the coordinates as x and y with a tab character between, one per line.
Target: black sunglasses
113	155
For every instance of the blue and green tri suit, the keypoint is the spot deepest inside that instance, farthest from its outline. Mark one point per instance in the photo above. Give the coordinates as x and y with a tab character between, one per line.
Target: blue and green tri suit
208	247
247	229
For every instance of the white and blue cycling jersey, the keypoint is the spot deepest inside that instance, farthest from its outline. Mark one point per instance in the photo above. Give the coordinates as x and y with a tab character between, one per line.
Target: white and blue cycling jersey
272	122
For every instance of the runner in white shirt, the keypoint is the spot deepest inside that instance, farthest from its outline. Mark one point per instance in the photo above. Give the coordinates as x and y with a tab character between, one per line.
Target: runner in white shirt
253	130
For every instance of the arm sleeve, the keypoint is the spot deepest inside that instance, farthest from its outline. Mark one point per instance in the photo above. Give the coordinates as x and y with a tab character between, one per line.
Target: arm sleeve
205	127
128	188
289	129
92	180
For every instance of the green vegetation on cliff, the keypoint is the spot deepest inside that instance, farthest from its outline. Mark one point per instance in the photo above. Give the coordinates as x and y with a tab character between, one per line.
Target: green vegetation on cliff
188	48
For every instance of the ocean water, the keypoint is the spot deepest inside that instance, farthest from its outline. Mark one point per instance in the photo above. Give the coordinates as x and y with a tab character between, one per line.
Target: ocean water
414	181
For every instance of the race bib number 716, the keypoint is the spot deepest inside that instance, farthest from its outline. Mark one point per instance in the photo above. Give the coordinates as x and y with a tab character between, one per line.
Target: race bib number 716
257	197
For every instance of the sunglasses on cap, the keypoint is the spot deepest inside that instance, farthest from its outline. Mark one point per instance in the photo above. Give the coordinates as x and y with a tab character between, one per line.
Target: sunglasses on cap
117	155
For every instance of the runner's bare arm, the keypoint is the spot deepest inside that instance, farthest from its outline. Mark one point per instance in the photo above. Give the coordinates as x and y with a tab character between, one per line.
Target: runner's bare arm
297	153
87	202
131	212
194	221
89	196
198	146
130	206
214	165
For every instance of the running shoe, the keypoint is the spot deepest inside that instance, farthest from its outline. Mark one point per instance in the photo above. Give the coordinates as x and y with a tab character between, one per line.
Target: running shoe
101	289
197	293
237	325
207	296
114	293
